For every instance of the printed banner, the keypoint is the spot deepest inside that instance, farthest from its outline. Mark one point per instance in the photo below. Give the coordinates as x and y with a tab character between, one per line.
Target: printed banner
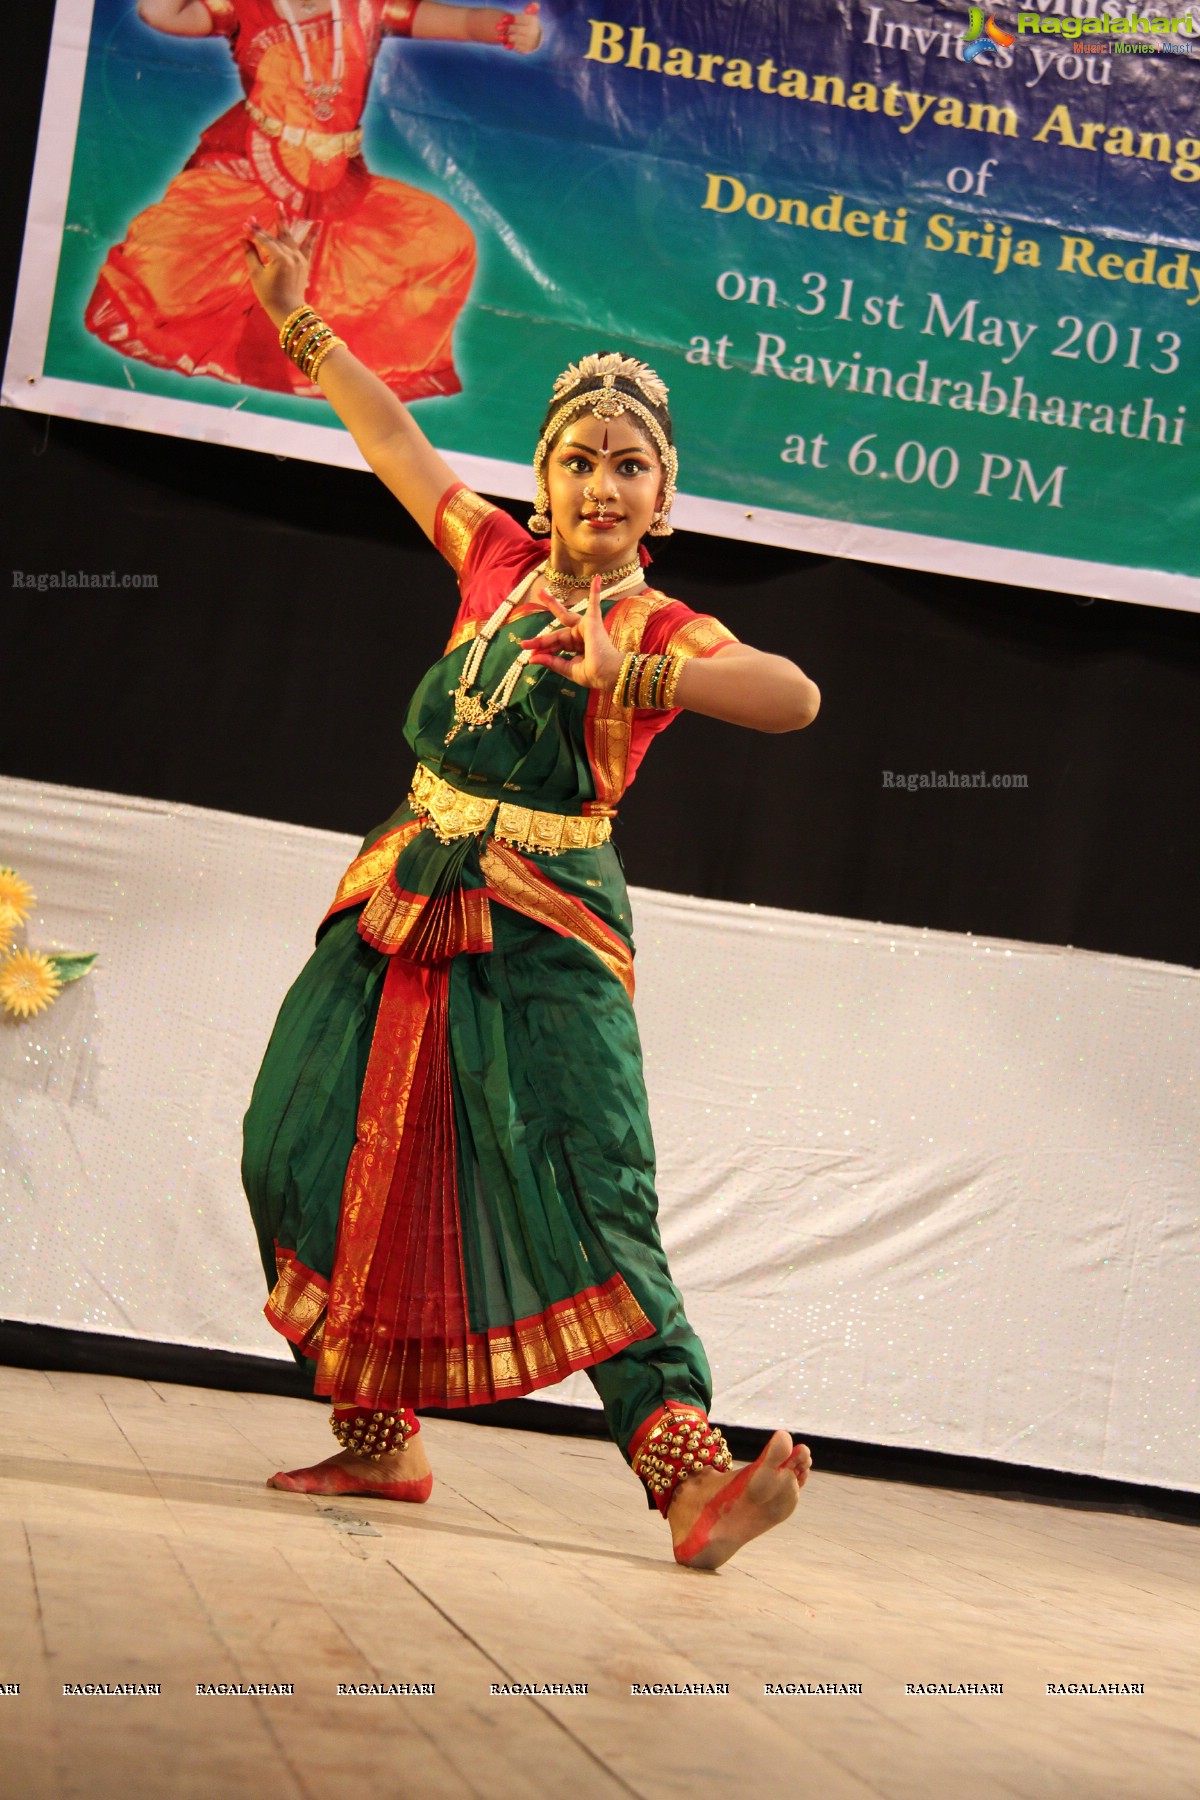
924	281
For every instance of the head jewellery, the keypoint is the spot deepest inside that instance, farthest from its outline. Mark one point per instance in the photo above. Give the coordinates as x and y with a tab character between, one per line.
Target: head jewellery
577	391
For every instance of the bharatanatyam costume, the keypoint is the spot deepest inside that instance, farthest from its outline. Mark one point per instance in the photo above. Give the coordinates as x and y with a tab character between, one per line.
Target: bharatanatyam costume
448	1153
391	265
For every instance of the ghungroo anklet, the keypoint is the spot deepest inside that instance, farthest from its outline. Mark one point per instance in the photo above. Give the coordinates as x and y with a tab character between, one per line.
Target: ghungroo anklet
373	1434
673	1444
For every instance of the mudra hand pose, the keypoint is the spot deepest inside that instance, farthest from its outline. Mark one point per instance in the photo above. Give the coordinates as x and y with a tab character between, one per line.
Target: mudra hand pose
447	1154
388	262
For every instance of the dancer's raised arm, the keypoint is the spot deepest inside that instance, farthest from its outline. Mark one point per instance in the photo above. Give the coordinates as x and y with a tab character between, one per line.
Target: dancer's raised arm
478	25
390	439
182	18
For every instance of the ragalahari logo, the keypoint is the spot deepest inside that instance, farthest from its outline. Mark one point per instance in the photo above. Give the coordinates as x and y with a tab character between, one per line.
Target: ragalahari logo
984	35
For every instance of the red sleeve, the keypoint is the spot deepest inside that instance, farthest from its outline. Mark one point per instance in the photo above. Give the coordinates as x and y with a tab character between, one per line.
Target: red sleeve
675	630
678	631
488	551
397	17
223	14
670	628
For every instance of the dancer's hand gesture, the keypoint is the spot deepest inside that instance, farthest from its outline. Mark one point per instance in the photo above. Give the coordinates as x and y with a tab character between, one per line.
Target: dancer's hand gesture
278	264
591	659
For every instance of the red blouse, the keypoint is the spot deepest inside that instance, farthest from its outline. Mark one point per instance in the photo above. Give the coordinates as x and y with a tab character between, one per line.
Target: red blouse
490	553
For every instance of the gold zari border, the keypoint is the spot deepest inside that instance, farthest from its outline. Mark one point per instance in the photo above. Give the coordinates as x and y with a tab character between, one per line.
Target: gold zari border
698	637
528	891
611	725
427	929
508	1360
372	866
462	634
296	1306
462	516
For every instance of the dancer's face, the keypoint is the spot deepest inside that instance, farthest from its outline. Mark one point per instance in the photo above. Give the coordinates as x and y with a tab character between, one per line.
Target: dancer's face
605	480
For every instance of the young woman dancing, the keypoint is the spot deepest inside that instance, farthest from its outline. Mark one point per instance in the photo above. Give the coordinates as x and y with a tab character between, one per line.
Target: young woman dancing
448	1154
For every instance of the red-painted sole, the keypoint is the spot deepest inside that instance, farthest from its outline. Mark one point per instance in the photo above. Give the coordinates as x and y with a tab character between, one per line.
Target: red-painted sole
704	1537
336	1482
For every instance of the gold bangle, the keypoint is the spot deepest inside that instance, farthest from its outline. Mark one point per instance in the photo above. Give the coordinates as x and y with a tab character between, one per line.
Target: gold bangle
647	680
304	334
285	328
333	344
620	684
300	333
307	340
671	682
313	352
303	344
638	677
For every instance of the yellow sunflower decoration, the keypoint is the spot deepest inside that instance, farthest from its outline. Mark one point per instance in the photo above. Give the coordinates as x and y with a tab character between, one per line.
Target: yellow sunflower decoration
28	983
29	980
10	918
16	893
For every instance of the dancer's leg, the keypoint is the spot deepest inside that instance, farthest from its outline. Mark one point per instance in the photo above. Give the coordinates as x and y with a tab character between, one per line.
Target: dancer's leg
656	1396
397	1471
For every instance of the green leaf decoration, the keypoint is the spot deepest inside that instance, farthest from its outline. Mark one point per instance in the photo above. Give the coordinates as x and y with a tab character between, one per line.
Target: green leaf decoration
70	967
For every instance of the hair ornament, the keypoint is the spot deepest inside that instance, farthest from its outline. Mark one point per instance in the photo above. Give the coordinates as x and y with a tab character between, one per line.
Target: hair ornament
605	368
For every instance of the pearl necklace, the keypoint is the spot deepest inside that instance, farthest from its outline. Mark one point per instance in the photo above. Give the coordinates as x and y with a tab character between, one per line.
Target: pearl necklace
321	94
470	712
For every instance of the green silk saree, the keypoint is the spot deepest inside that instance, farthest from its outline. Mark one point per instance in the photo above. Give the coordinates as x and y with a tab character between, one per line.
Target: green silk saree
448	1154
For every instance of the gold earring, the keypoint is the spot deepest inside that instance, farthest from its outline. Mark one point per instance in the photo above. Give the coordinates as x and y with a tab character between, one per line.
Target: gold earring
539	519
660	524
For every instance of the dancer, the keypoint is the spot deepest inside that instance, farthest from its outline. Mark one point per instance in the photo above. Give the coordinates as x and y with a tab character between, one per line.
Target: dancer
447	1153
388	263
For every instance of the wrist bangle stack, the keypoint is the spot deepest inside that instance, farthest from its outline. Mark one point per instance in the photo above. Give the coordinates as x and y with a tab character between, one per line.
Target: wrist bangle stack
307	339
648	681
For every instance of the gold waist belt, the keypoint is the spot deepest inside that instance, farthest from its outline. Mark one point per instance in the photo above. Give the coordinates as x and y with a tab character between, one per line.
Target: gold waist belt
455	814
323	145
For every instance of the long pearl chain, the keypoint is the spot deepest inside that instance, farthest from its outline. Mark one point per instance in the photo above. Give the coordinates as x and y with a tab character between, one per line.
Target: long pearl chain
473	714
321	94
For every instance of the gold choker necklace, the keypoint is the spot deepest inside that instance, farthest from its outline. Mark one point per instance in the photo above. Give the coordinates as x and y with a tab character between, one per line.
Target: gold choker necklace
560	578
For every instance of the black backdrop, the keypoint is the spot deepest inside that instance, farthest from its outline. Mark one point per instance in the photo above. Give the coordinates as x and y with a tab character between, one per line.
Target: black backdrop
296	605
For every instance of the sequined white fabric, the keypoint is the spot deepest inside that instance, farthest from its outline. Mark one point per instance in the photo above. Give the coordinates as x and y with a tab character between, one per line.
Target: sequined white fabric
917	1188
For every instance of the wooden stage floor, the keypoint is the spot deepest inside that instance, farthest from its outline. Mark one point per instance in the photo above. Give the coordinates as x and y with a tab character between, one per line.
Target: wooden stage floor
139	1545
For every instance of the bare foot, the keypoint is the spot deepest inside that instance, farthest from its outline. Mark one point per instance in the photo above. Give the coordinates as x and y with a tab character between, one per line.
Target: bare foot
400	1475
712	1515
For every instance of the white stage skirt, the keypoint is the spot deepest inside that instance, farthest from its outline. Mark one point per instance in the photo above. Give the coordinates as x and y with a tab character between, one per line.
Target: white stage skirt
918	1189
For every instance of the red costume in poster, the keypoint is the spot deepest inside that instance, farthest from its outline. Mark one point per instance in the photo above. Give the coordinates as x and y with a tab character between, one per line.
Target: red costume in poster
390	265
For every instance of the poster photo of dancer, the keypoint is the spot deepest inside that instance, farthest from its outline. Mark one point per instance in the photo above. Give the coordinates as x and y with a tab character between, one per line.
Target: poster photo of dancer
199	119
392	264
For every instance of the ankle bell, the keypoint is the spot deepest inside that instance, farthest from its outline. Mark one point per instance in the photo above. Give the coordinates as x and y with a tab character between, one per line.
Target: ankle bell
679	1444
373	1434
